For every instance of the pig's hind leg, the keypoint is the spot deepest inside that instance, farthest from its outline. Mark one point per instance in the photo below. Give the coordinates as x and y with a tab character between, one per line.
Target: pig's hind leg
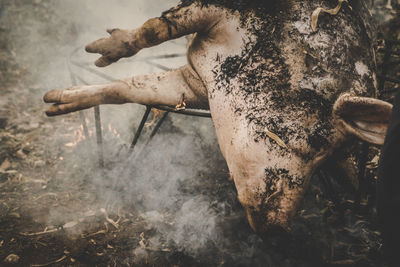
168	88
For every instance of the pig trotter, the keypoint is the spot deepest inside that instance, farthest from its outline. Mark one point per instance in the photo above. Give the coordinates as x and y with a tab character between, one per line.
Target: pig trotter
121	43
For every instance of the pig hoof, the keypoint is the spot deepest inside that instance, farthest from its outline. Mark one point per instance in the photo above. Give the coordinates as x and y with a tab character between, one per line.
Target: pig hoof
53	96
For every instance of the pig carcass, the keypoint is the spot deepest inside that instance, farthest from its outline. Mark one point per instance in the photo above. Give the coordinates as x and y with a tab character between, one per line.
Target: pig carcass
284	90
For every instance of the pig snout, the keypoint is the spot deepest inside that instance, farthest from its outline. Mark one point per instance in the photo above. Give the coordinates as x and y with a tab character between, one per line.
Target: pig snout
271	200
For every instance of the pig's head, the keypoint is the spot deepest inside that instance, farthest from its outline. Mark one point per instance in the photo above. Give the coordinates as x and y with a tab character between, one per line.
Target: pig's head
286	102
271	183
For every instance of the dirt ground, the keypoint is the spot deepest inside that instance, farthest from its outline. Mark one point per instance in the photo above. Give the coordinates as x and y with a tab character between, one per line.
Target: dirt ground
170	203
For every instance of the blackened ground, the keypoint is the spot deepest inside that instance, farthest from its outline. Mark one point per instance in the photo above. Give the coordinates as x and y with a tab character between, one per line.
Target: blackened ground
54	211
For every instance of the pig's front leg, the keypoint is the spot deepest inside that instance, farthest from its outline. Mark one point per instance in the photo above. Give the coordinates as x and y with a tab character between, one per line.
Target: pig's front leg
179	21
168	88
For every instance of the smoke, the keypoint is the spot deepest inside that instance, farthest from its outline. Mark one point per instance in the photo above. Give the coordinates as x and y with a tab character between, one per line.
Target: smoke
172	186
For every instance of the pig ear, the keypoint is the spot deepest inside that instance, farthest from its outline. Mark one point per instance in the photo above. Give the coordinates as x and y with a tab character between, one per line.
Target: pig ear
365	117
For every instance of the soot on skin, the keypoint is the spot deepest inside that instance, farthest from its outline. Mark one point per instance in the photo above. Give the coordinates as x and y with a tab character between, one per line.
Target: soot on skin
259	76
272	175
272	178
251	75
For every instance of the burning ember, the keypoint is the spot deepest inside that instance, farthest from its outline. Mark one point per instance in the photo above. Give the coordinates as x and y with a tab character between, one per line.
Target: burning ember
79	134
79	137
113	131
